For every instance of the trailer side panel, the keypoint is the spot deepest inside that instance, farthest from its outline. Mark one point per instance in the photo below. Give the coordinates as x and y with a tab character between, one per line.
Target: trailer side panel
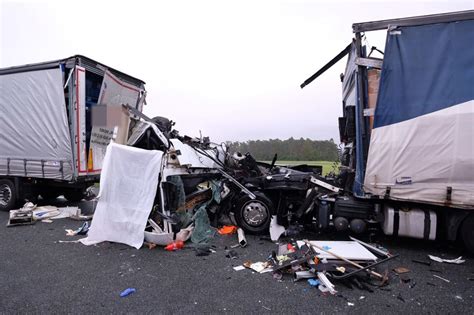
422	144
34	132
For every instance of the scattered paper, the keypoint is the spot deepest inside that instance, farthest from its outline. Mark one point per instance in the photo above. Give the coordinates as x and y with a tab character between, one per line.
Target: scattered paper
258	266
238	268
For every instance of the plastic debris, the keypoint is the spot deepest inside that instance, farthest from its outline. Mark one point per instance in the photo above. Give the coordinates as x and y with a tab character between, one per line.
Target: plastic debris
174	246
239	268
227	229
444	279
127	292
276	230
341	269
258	266
458	260
282	258
80	231
185	234
291	248
203	231
241	237
326	283
305	274
314	282
401	270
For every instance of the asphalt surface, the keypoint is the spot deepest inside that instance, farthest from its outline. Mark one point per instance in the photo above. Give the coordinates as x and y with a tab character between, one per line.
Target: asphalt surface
39	274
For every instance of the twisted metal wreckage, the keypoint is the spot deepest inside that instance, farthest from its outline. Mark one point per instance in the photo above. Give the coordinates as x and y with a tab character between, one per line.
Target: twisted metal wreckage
201	183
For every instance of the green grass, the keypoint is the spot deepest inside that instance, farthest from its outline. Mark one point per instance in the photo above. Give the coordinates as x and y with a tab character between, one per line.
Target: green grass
327	165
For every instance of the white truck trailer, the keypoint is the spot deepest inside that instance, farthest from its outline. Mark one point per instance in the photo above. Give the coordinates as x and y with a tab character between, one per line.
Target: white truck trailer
49	143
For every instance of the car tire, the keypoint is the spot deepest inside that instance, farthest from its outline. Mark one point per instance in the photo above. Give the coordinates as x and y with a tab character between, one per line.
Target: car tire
467	233
254	215
8	198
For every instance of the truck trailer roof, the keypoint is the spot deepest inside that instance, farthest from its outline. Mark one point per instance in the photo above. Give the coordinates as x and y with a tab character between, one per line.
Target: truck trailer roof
86	62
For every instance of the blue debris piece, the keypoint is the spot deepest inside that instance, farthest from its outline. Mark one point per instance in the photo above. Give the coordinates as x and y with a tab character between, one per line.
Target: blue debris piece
127	291
325	247
313	282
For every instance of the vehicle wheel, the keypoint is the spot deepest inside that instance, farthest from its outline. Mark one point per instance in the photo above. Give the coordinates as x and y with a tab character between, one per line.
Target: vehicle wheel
74	195
254	215
7	195
467	233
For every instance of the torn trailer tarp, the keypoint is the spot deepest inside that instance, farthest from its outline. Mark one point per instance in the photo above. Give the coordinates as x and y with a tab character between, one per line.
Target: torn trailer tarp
128	187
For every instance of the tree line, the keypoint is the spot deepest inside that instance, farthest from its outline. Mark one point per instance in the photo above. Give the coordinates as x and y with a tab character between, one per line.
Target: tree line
288	150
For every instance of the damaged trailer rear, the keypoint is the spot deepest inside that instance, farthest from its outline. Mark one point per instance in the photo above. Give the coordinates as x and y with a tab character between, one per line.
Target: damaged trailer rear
57	119
407	128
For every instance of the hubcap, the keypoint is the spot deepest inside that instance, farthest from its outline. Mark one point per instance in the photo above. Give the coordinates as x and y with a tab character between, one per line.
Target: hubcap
255	213
5	194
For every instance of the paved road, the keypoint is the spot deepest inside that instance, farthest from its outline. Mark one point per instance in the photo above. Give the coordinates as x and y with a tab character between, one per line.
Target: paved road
40	274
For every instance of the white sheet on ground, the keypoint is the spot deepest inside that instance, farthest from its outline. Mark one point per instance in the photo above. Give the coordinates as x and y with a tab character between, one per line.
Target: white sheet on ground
128	187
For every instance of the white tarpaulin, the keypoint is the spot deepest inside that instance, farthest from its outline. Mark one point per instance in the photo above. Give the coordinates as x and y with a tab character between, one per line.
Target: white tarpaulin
128	186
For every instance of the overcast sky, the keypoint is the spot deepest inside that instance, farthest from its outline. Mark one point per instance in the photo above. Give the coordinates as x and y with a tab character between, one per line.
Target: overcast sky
231	69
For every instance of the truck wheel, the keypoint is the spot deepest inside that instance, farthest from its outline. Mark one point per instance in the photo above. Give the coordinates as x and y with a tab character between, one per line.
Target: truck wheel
7	195
74	195
254	215
467	233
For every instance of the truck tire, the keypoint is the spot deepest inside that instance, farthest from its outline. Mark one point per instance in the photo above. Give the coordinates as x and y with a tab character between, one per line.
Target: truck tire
74	195
467	233
8	198
254	215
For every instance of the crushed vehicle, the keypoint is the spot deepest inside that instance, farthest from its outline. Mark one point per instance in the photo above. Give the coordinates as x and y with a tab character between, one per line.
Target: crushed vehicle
199	185
406	130
57	119
252	191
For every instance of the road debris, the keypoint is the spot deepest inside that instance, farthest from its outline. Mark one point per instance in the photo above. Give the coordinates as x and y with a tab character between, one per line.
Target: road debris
239	268
227	229
400	270
444	279
127	292
174	246
457	261
83	230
